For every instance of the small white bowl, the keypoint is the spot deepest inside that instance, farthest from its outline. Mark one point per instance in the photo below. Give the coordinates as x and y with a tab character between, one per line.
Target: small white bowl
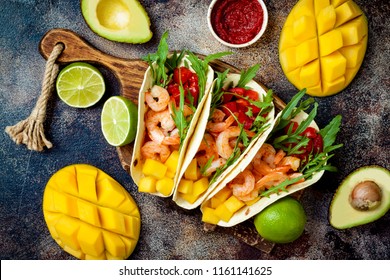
255	39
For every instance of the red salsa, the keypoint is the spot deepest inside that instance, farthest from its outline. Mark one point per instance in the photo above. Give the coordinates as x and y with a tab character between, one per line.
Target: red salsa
237	21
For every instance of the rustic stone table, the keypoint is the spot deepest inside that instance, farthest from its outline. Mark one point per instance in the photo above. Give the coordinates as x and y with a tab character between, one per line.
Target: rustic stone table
168	232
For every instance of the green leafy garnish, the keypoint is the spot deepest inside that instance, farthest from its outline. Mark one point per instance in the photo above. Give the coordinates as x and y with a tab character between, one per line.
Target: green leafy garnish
248	75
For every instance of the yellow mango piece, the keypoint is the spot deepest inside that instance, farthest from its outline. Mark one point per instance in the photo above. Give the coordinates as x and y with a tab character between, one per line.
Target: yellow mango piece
354	54
89	221
88	212
192	171
208	216
189	197
200	186
112	220
319	5
215	202
172	161
306	52
310	73
91	240
333	66
67	229
354	31
346	12
326	19
339	25
147	184
164	186
224	194
233	204
170	174
223	213
253	201
154	168
109	192
185	186
330	42
304	28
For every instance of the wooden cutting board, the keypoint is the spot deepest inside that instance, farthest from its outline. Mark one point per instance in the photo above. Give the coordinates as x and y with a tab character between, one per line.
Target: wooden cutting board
130	74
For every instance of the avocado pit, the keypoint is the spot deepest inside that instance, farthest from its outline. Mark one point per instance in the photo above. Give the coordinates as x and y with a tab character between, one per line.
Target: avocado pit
366	196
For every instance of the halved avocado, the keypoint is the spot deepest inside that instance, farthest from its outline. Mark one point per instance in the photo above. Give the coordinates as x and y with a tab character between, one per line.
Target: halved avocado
363	197
118	20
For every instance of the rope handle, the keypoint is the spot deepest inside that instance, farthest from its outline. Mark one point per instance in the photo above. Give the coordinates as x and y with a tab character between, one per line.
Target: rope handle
30	131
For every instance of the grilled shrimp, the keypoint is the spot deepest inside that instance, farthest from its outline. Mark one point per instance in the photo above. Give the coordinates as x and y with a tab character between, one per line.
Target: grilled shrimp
223	146
270	180
214	165
243	189
158	122
206	150
157	99
155	151
220	126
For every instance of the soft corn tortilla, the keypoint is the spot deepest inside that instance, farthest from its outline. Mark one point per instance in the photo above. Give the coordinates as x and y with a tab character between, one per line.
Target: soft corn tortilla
137	160
249	211
198	136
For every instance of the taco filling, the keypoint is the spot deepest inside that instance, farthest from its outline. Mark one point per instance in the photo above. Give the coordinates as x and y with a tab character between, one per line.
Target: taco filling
240	111
293	157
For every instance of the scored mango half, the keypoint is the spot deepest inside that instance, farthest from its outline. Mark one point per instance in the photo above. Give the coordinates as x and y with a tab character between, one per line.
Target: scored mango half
322	45
89	214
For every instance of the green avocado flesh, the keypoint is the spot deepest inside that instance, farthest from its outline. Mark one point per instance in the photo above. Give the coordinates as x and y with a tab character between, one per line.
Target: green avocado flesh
341	213
118	20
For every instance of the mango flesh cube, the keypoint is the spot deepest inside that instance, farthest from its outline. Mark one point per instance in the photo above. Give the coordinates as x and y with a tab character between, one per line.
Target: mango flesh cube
172	161
200	186
223	213
326	20
91	219
215	202
164	186
233	204
189	197
224	194
208	216
147	184
330	42
333	66
191	172
338	25
170	174
253	201
154	168
185	186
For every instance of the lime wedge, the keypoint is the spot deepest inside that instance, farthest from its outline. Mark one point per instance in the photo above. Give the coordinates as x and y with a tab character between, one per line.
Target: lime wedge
119	121
80	85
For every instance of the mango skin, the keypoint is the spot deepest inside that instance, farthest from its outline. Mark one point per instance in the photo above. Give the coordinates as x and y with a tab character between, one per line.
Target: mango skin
89	214
322	45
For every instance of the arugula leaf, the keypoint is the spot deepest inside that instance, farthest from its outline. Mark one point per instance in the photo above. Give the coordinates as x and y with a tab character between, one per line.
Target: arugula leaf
173	62
246	76
329	132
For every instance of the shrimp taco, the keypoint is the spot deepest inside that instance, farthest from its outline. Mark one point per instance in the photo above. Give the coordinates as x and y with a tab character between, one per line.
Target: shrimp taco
175	89
240	113
293	157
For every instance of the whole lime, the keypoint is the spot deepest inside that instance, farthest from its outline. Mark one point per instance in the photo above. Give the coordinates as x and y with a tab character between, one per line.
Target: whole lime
281	222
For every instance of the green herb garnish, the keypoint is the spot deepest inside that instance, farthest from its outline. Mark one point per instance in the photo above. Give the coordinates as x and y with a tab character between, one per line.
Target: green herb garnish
247	75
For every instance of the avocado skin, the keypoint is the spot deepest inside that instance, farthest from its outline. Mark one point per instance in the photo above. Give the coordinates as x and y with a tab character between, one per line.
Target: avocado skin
341	213
137	32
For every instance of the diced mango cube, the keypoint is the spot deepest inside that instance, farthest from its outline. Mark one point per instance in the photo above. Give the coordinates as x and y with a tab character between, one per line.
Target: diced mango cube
304	8
354	31
67	229
172	161
109	192
333	66
326	20
306	52
315	90
185	186
335	85
224	194
288	59
215	202
233	204
310	73
114	245
287	39
88	212
65	203
164	186
304	28
330	42
170	174
192	171
253	201
354	54
200	186
319	5
337	3
147	184
91	240
112	220
346	12
294	77
223	213
154	168
208	216
86	180
189	197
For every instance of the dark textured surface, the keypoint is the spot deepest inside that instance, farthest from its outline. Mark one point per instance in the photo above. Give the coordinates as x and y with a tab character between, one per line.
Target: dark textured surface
168	232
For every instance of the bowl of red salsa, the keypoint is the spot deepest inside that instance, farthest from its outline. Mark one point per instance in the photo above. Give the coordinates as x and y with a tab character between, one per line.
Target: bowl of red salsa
237	23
